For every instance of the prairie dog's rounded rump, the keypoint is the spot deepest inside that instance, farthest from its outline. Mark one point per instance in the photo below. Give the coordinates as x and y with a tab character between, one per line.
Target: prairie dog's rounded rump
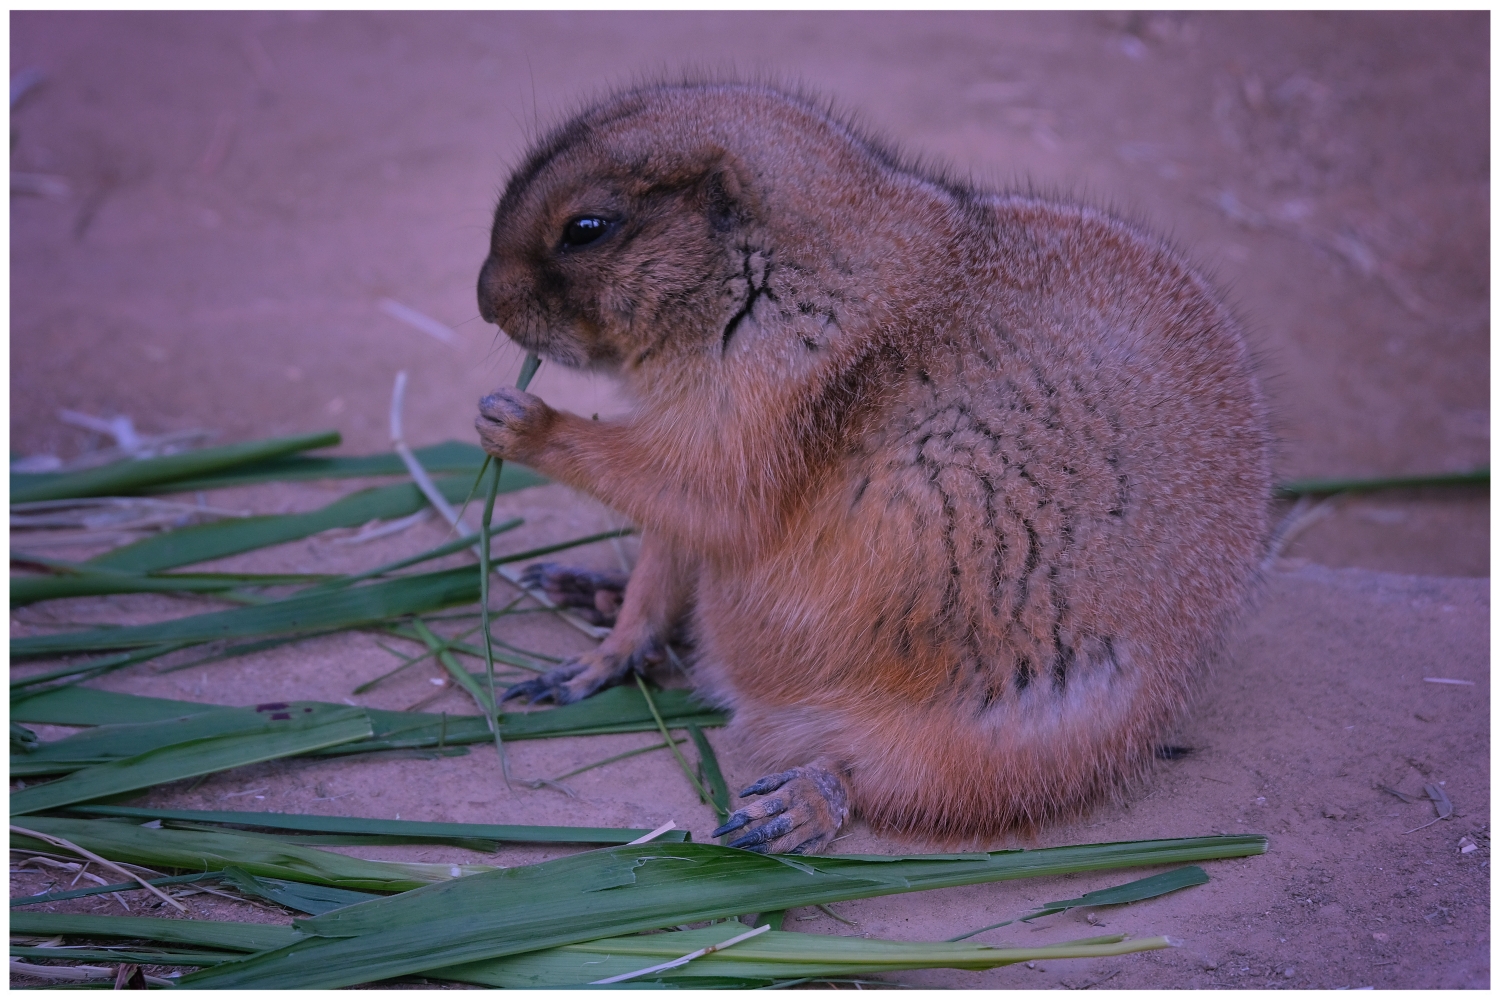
958	489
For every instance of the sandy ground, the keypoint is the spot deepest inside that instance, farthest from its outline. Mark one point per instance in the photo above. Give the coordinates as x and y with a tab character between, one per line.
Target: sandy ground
244	190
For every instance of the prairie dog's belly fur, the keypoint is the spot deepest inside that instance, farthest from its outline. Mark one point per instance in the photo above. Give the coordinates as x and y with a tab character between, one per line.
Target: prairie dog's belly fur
961	489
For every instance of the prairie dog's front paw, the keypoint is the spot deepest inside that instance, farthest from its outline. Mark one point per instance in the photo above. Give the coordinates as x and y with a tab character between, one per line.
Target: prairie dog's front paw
511	423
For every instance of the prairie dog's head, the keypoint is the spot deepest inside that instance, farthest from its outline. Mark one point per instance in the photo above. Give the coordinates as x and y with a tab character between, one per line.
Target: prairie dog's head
638	231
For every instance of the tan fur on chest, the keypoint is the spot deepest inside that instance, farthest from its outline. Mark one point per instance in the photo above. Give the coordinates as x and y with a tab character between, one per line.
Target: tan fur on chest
957	490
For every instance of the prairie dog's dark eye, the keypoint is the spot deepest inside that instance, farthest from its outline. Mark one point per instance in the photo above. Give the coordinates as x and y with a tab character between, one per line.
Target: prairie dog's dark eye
584	230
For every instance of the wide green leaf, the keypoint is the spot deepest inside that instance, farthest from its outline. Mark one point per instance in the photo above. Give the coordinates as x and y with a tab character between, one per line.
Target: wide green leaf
230	936
350	607
259	854
768	957
313	899
202	542
318	608
410	829
134	475
34	685
560	902
449	456
104	744
74	953
76	705
58	895
1130	892
773	955
282	731
616	710
31	589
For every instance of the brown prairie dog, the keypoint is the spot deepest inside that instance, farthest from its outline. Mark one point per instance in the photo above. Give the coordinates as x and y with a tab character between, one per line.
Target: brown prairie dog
953	491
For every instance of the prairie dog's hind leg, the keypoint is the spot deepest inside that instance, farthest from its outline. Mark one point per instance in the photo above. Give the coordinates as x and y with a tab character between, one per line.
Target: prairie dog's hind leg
655	600
592	595
801	811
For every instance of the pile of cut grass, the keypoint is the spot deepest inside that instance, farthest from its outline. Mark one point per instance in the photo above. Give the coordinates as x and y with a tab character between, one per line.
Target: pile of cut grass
546	924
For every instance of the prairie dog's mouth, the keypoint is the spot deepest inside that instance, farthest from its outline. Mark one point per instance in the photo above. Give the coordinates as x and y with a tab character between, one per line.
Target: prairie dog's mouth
561	350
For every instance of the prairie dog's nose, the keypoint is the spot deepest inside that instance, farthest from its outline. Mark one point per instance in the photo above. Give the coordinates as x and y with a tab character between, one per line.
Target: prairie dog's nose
491	287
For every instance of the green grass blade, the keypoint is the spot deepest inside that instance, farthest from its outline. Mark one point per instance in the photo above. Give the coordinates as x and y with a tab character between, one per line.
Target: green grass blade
351	607
640	682
489	705
199	959
95	890
409	829
1300	487
616	710
106	743
457	646
81	706
559	902
259	854
218	653
28	687
462	677
133	475
774	955
618	757
202	542
283	734
1130	892
311	899
446	549
447	457
607	712
222	934
708	765
31	589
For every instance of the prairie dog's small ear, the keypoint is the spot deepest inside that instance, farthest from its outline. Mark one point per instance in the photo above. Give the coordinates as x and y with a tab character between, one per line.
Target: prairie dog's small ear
727	193
721	181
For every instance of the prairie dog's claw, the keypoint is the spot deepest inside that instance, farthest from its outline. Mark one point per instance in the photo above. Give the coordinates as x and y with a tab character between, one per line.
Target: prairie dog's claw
551	685
810	805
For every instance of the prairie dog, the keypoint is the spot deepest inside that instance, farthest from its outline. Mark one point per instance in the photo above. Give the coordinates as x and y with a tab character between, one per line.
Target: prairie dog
954	491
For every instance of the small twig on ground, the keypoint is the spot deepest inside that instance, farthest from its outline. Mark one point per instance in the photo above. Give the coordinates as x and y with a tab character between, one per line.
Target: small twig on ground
1441	802
68	845
665	827
685	959
1303	515
73	973
375	529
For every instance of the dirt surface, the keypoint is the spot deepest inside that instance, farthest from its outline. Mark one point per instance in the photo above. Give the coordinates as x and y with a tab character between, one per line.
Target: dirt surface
243	191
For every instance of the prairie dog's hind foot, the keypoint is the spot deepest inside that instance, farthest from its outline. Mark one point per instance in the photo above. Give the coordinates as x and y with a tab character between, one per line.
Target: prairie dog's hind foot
585	674
593	596
807	809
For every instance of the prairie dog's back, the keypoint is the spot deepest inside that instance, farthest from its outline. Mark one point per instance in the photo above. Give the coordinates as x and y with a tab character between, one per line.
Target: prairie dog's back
1016	573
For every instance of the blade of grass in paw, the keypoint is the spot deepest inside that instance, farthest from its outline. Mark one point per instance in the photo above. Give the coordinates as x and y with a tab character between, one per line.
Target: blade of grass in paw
528	369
